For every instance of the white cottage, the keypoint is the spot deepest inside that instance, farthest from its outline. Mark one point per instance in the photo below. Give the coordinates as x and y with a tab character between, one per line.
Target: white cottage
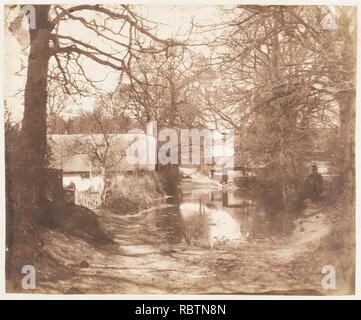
80	156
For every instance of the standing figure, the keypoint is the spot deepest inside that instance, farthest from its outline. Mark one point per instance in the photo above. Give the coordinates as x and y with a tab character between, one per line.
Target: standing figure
212	170
314	184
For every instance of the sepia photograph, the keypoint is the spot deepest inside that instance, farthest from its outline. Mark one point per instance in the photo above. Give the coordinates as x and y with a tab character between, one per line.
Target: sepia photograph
179	149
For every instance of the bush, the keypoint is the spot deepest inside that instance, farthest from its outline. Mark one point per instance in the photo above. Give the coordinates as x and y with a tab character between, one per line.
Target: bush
134	192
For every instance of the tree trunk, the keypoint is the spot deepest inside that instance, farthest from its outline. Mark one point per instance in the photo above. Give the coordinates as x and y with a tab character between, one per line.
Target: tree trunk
31	171
103	174
33	131
347	98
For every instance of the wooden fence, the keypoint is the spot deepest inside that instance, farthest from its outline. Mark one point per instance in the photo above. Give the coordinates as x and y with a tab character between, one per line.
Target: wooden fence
88	199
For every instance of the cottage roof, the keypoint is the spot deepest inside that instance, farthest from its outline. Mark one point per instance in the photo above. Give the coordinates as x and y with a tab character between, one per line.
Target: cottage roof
77	152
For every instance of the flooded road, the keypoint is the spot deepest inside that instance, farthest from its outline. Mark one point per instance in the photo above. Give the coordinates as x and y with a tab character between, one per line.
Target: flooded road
217	217
207	241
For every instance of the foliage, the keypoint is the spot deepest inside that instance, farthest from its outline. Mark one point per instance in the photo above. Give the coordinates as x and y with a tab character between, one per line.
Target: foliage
134	192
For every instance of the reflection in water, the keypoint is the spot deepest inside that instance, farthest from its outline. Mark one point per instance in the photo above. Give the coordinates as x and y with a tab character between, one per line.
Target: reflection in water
195	221
218	217
223	227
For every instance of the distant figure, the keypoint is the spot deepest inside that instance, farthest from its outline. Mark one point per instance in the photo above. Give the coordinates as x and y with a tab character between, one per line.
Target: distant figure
314	184
212	171
225	199
224	176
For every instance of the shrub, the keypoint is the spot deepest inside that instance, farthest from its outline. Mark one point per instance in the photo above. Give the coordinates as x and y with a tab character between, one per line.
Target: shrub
134	192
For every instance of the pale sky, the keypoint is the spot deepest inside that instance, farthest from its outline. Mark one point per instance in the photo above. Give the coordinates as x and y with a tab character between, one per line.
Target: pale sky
173	21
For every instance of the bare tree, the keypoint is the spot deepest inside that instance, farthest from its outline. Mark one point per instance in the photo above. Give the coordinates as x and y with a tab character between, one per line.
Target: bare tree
168	93
105	147
55	55
279	76
169	89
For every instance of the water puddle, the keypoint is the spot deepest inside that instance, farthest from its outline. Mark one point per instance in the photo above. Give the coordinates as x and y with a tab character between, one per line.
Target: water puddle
231	218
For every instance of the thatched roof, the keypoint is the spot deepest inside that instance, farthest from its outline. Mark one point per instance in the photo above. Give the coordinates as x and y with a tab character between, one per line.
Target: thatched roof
76	153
